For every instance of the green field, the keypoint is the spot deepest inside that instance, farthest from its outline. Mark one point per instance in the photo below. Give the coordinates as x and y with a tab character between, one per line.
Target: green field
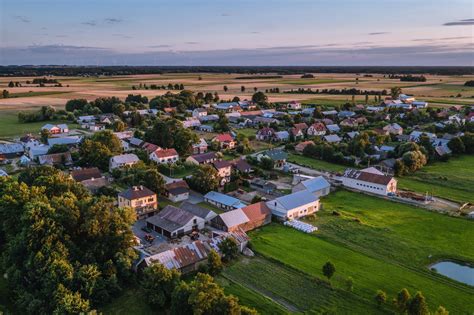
313	81
37	93
299	292
452	180
247	131
308	253
314	163
10	126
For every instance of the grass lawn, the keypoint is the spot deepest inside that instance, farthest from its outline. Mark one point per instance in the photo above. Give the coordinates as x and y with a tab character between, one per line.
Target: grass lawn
451	180
251	298
308	253
297	291
314	163
10	126
129	302
247	131
177	172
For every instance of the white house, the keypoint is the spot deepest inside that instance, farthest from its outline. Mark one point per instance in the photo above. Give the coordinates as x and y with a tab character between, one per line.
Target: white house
53	129
294	105
122	160
394	129
162	156
369	181
293	206
199	112
316	129
318	186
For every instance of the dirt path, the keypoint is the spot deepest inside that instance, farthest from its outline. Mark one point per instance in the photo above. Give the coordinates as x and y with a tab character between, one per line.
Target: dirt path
290	307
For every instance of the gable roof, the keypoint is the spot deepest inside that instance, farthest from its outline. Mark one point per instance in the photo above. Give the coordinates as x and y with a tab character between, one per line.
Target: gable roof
296	199
225	137
200	158
368	177
276	154
224	199
316	184
221	164
171	218
136	192
164	153
85	174
234	218
257	211
55	158
242	165
300	126
125	158
197	210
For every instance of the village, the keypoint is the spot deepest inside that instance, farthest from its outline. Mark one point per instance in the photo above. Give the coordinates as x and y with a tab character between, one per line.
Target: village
198	174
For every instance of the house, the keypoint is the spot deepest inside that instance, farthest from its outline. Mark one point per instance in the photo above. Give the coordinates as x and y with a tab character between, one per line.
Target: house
247	105
200	147
37	150
164	156
277	156
262	185
293	105
223	201
199	112
12	150
55	129
206	214
296	133
225	141
85	119
329	112
177	191
174	222
205	158
302	145
394	129
333	128
141	199
345	114
94	127
258	214
294	205
228	107
206	128
406	98
149	147
352	135
70	141
415	135
372	182
230	221
266	121
208	118
55	159
282	136
318	186
265	134
301	126
419	104
316	129
242	166
3	173
332	138
349	122
123	160
191	123
224	170
91	178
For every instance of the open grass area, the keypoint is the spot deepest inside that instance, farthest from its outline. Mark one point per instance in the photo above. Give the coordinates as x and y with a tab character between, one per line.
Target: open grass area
297	291
315	163
36	93
251	298
247	131
10	126
451	180
308	253
210	207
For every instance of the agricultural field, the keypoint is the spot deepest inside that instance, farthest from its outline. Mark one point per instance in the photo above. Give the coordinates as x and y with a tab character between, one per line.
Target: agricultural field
451	180
442	90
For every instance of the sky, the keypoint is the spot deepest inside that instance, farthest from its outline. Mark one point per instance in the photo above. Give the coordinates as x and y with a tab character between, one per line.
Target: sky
237	32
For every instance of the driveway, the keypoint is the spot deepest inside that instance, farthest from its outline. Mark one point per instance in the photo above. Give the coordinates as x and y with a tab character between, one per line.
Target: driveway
138	232
195	197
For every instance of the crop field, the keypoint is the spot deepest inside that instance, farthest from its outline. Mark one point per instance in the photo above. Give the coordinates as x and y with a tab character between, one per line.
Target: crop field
451	180
442	90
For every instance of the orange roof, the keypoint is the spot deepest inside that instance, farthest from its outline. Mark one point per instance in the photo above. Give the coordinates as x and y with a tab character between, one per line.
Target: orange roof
164	153
257	211
225	137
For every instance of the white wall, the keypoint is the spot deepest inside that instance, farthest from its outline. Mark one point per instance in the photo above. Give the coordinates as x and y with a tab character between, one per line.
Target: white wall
370	187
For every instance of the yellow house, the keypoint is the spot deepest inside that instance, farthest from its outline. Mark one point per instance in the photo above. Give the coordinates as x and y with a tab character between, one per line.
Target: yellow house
141	199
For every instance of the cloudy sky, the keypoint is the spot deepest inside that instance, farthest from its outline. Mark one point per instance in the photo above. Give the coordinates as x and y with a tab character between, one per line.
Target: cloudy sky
238	32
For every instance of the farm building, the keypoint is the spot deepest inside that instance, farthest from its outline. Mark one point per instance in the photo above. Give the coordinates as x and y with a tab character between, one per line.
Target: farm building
177	191
174	222
230	221
293	206
199	211
369	181
223	201
318	186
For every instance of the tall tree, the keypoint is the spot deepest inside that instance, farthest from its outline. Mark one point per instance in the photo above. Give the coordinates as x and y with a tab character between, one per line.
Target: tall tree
158	284
418	305
329	269
204	179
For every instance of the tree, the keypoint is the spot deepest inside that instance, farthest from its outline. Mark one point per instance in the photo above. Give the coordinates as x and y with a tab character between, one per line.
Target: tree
329	269
158	284
468	140
266	163
418	305
11	84
259	98
76	104
402	300
45	135
395	92
119	126
58	148
225	88
414	160
350	284
229	248
141	174
441	311
109	140
214	263
5	94
204	179
457	145
380	297
242	89
180	299
94	153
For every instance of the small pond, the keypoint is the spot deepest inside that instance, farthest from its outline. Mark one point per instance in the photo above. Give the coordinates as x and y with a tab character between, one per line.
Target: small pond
457	271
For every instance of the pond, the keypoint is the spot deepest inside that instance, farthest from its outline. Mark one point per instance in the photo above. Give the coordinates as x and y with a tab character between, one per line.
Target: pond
457	271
